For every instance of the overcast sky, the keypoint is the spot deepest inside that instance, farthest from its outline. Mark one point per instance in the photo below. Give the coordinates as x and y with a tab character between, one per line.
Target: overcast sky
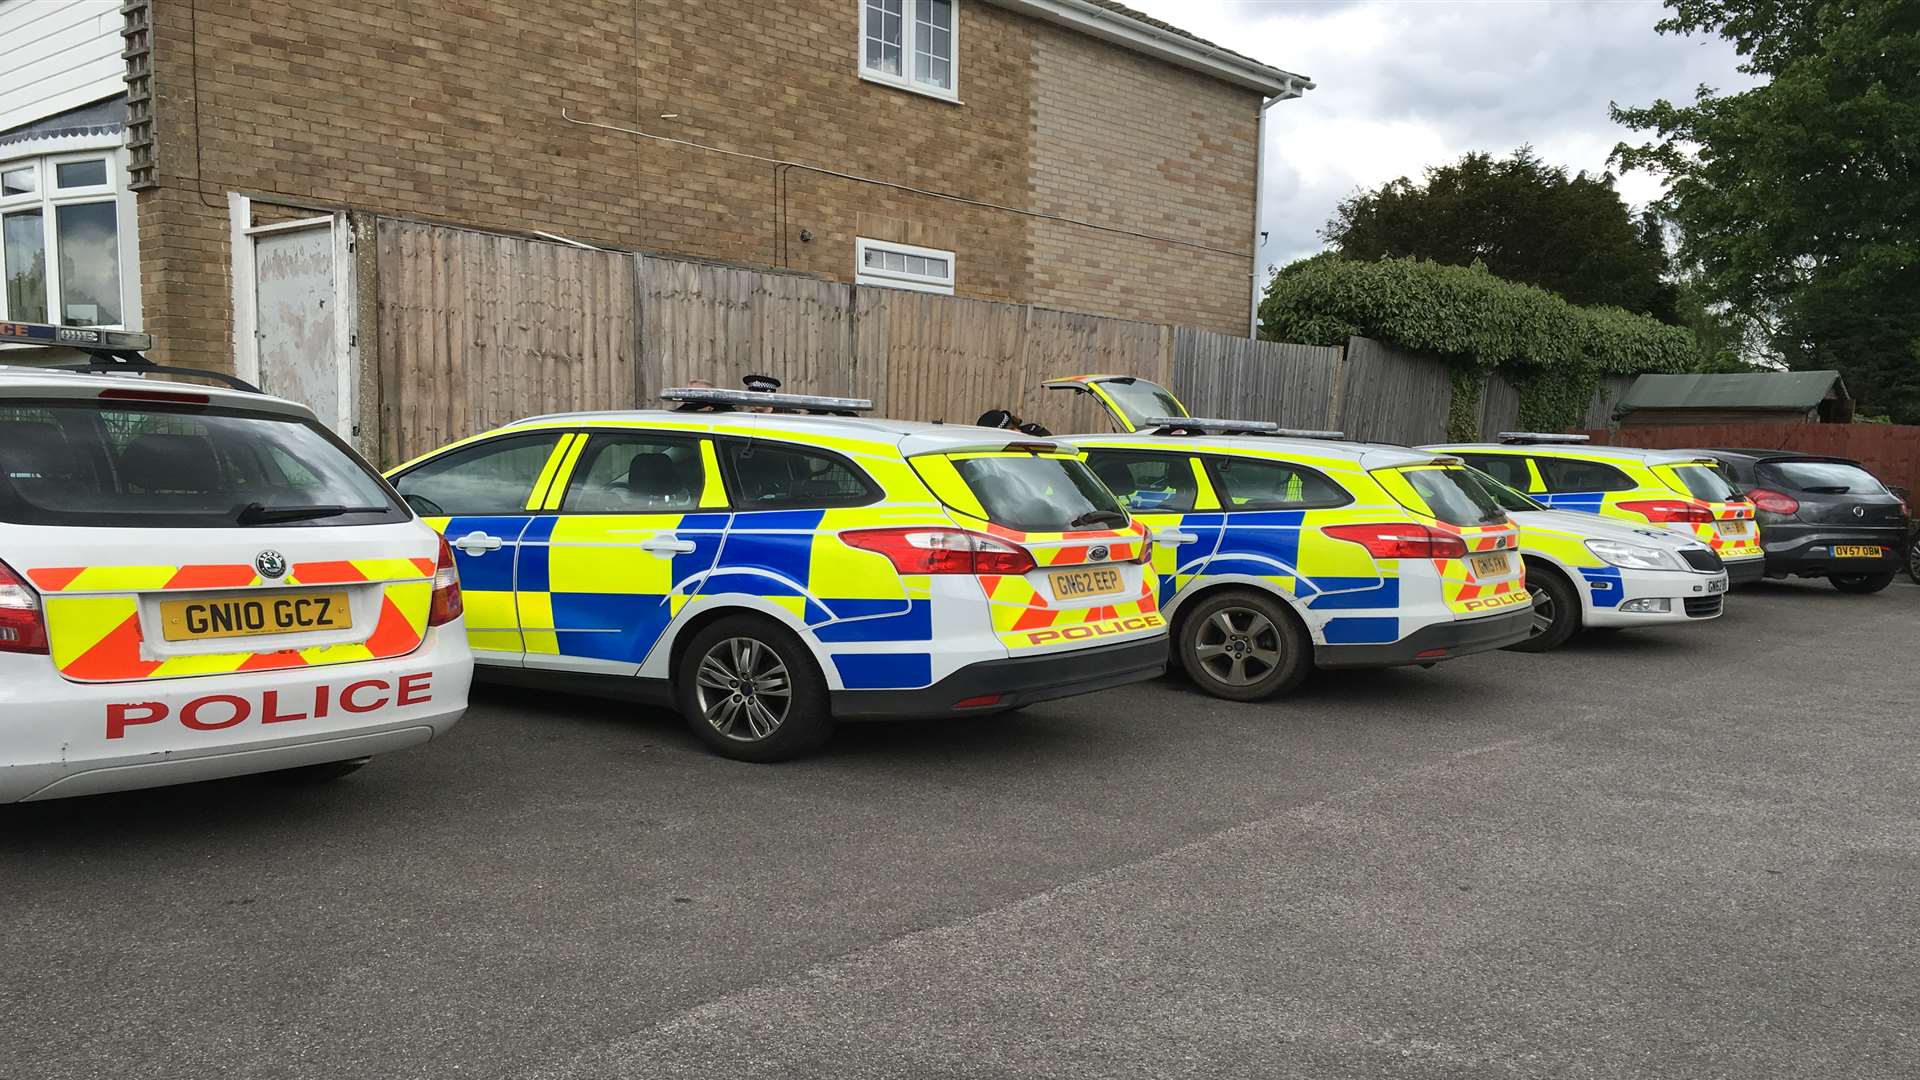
1403	84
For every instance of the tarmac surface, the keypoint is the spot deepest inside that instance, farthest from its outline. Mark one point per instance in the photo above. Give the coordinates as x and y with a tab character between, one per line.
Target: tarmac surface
1690	852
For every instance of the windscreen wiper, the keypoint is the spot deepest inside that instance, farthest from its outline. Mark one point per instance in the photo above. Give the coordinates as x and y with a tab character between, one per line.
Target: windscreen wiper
1092	516
259	514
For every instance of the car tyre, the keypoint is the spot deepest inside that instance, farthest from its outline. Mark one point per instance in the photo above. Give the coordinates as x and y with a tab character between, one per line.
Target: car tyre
317	774
1913	561
1556	610
1861	583
751	691
1244	645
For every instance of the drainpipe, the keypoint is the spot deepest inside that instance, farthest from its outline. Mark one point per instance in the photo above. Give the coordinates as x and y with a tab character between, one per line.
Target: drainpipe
1259	204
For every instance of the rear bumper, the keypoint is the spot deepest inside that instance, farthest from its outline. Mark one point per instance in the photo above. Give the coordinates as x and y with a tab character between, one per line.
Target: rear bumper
1017	681
1746	571
1810	554
1432	644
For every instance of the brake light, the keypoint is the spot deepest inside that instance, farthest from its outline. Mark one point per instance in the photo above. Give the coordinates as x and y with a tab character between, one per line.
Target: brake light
1774	502
1669	511
1401	540
22	629
1145	557
448	604
173	397
942	551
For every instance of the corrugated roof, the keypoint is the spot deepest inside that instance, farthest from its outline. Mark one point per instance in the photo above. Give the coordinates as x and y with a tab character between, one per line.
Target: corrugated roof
1759	390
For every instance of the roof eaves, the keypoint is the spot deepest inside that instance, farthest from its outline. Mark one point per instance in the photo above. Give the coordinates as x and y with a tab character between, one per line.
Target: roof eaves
1133	30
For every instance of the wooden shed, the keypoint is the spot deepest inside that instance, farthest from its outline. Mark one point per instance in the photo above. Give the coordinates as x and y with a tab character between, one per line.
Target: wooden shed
1761	397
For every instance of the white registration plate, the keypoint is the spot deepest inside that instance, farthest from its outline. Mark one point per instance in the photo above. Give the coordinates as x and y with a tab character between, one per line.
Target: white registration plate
1733	528
1493	565
1717	585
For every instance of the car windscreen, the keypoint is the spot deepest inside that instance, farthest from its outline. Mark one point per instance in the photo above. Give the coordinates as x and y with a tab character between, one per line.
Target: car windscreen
1511	501
1451	495
1704	482
1039	493
128	465
1140	399
1822	477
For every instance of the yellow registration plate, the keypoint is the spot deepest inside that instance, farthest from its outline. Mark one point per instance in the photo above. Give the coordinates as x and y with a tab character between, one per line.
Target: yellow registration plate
1490	565
1074	584
210	618
1846	551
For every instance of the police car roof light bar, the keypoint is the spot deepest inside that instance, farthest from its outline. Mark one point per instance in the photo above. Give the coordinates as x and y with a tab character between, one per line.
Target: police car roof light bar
701	395
112	352
1308	433
1516	437
1162	425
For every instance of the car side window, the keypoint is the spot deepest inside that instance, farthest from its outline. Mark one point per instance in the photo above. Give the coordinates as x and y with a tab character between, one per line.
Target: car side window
638	473
1264	484
493	477
1147	483
774	476
1572	475
1509	469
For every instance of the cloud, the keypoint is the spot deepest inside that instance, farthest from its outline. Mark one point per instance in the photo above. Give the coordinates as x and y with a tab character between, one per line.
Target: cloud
1404	85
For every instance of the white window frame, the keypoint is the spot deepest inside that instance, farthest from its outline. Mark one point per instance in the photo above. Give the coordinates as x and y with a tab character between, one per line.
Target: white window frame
895	279
44	156
908	32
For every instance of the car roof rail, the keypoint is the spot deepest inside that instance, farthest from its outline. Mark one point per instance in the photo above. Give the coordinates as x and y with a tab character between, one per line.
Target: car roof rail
729	400
1172	425
110	352
1515	438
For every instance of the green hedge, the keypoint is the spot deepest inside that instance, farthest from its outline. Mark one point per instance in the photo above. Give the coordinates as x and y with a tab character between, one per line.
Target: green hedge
1553	351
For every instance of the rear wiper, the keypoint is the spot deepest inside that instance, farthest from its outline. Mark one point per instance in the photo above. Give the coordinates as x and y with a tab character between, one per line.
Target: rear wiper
1092	516
259	514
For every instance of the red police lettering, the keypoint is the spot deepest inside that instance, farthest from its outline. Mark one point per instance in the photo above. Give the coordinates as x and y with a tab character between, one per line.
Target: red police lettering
415	689
270	709
121	717
349	697
190	715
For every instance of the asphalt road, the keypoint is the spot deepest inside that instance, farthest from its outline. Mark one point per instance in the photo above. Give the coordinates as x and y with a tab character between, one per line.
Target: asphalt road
1683	853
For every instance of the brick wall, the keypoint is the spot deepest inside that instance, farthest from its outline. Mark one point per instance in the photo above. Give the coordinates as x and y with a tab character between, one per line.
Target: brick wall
451	112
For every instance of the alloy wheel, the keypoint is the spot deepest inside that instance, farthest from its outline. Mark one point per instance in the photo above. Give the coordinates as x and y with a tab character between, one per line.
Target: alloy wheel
743	690
1543	611
1238	646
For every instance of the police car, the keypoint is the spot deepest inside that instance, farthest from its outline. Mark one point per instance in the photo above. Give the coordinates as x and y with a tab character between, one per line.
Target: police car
1586	572
1681	491
772	572
201	582
1280	551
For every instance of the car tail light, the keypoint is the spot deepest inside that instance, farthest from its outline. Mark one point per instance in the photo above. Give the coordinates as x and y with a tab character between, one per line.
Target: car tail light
942	551
1401	541
1145	558
1774	502
22	629
1669	511
448	604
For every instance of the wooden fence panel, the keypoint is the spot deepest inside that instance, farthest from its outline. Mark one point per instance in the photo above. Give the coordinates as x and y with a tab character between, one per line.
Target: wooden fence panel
1499	406
721	323
1600	410
478	329
1393	396
1222	376
1889	451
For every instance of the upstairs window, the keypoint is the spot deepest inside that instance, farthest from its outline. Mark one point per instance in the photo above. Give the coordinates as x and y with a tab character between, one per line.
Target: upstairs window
910	44
60	240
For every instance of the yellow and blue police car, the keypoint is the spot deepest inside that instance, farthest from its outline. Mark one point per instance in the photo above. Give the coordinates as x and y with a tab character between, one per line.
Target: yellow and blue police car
1682	491
771	572
1280	551
203	581
1585	571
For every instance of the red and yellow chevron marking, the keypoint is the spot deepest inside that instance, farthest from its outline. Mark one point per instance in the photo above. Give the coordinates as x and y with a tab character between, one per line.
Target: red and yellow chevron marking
1462	588
93	616
1019	610
1074	548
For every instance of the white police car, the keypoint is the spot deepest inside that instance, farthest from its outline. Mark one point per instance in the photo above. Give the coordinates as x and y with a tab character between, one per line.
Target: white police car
202	582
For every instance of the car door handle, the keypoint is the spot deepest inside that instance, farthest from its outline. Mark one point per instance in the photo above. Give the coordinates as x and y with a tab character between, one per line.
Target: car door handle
668	545
477	543
1174	537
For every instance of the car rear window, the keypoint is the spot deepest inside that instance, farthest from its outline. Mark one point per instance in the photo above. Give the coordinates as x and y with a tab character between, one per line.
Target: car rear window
1035	493
1830	477
1140	399
1510	498
1453	496
145	466
1704	482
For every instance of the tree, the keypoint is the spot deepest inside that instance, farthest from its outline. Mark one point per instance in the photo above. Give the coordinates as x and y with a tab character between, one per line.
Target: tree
1527	221
1798	201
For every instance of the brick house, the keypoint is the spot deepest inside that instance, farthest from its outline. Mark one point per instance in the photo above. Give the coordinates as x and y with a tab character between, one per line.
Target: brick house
1066	153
